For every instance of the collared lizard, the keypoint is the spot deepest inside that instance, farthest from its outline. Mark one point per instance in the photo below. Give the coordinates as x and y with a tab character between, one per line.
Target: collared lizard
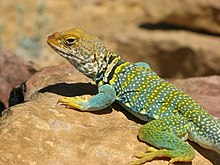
172	115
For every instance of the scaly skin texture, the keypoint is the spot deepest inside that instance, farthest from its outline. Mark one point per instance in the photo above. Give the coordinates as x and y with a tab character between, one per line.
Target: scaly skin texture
172	115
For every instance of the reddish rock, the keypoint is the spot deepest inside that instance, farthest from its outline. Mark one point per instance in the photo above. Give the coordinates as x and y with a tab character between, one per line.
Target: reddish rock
13	71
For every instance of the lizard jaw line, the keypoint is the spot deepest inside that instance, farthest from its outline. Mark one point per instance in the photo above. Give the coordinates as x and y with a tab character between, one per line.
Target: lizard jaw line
66	55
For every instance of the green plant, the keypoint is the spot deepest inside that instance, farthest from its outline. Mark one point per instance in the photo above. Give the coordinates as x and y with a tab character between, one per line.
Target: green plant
31	45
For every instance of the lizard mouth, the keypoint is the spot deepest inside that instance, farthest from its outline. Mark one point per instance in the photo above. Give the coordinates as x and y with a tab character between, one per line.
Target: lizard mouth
67	55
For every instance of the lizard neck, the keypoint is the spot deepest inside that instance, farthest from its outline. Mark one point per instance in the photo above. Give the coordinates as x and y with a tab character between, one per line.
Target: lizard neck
110	62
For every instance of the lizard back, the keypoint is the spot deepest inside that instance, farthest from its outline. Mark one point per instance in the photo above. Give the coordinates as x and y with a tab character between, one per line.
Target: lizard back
142	92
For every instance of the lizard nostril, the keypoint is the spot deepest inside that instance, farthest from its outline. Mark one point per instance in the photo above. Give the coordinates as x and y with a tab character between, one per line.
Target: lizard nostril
53	35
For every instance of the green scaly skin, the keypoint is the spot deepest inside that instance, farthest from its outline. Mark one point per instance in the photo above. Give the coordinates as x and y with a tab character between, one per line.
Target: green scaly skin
172	115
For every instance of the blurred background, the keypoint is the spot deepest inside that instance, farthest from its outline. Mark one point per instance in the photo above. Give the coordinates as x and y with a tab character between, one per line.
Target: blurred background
179	39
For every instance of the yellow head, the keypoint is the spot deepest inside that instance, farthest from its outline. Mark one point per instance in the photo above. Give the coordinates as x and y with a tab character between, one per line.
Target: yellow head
84	51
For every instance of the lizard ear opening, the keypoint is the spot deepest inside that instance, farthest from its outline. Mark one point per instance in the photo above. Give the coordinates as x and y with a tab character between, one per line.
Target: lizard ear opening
95	57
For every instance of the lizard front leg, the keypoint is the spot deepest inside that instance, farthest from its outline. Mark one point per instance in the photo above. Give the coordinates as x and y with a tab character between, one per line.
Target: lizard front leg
105	97
143	64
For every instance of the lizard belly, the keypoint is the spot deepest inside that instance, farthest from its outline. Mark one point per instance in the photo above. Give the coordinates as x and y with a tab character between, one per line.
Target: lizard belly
140	116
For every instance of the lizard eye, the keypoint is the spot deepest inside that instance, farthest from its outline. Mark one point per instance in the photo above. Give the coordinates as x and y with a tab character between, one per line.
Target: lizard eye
70	41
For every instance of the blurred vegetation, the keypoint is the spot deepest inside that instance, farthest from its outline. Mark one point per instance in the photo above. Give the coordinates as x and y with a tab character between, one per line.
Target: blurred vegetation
1	33
30	45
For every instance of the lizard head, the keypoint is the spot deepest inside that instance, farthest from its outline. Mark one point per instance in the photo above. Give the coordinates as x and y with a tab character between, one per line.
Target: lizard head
84	51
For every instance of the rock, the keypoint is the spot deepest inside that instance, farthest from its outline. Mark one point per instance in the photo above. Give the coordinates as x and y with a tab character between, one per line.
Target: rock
171	53
13	71
41	132
197	14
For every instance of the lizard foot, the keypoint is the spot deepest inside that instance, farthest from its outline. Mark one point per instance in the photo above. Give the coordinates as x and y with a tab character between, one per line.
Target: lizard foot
152	153
143	157
73	102
141	154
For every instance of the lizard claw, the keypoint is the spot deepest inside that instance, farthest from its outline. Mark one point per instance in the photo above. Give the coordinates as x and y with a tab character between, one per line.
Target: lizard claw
73	102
